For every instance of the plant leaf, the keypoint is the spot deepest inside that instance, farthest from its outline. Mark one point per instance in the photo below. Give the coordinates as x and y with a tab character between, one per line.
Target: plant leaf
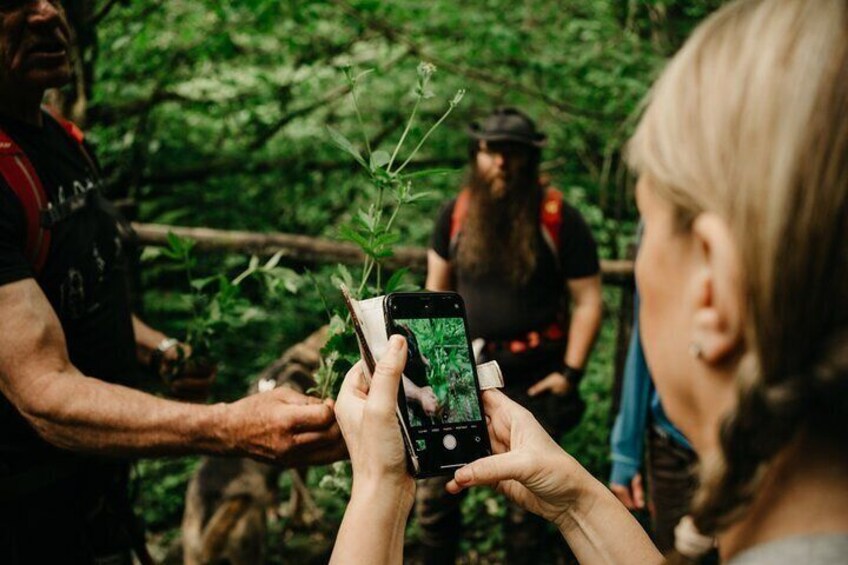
395	280
430	172
345	145
380	159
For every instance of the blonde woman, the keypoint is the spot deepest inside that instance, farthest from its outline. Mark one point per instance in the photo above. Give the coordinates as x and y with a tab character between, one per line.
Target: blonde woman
742	155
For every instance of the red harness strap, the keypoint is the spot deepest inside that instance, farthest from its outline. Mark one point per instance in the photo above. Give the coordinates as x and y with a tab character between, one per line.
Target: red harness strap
19	174
552	333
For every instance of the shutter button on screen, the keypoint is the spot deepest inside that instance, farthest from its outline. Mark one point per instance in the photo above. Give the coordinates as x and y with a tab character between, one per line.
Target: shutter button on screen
449	441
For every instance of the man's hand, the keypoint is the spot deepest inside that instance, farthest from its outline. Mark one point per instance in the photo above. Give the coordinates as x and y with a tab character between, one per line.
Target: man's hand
187	378
284	427
633	497
429	401
555	383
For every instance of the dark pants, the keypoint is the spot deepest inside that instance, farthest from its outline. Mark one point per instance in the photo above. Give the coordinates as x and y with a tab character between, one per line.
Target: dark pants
81	519
439	514
672	482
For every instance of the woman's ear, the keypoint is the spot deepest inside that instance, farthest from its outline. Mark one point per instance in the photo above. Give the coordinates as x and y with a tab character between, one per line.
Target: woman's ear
717	332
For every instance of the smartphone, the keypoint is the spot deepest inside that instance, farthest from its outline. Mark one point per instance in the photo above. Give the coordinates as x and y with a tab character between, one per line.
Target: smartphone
439	401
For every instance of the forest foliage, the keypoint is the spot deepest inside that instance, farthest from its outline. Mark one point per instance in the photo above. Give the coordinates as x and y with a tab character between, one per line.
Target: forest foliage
229	114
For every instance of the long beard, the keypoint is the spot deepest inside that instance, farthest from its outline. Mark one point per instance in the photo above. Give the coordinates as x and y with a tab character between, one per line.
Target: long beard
500	232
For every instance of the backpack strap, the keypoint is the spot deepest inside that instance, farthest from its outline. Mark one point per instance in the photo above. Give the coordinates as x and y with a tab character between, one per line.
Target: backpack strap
460	209
20	175
73	131
550	217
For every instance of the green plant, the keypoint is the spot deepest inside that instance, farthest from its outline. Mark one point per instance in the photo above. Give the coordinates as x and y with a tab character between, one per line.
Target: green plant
373	229
216	303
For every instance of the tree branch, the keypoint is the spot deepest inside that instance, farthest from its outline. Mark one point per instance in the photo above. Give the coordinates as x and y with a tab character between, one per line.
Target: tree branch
318	249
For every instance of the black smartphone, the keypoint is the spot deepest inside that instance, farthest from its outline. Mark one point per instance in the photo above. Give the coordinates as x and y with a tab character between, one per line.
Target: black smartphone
439	400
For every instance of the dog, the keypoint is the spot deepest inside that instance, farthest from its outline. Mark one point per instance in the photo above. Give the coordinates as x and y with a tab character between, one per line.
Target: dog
228	501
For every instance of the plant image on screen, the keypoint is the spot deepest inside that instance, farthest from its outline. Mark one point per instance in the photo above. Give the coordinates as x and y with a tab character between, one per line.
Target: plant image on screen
439	382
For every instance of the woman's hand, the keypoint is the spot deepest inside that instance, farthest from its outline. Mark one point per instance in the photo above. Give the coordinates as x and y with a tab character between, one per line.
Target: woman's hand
367	418
373	525
528	466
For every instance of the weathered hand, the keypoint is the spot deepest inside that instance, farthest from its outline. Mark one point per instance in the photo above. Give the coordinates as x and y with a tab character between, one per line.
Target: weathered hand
284	427
528	466
367	417
633	497
187	378
555	383
429	401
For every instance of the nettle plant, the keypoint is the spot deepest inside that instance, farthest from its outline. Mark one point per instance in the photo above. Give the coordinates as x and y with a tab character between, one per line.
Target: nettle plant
217	304
373	229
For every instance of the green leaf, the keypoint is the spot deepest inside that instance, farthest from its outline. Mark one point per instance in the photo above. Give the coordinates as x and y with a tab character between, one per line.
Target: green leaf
273	261
345	145
349	234
420	196
430	172
368	219
200	284
380	159
395	280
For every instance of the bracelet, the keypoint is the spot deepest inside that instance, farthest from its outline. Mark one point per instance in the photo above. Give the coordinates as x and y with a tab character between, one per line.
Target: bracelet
572	375
159	351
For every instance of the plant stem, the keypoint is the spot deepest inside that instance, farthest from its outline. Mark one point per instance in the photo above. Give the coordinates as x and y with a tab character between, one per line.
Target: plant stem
423	139
405	133
394	215
366	273
323	298
359	119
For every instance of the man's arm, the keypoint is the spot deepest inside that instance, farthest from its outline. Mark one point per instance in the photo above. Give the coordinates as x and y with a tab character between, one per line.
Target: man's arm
147	340
80	413
439	274
586	315
627	438
582	331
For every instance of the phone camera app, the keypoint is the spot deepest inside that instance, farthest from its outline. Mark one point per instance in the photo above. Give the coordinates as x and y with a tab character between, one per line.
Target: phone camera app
438	380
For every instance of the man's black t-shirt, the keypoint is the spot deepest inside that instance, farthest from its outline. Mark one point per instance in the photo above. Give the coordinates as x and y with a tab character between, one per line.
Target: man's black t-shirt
500	311
84	278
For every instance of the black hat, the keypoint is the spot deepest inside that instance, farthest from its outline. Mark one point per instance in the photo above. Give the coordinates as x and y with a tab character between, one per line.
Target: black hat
508	124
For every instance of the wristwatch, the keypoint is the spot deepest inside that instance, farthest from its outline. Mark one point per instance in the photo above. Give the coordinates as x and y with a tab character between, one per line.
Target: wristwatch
158	354
572	375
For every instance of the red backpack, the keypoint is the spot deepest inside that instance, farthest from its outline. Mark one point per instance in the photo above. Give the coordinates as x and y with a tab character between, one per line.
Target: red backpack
20	175
550	217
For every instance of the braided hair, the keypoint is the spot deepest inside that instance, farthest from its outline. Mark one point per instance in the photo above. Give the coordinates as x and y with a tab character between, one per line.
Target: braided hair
766	149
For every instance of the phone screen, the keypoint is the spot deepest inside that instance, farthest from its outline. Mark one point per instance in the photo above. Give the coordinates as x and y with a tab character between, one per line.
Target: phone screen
440	396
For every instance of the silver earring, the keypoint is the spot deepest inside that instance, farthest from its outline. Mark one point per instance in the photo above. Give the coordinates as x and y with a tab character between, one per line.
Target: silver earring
695	349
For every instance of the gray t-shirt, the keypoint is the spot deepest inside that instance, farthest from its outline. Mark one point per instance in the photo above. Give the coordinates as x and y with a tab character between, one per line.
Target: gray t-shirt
822	549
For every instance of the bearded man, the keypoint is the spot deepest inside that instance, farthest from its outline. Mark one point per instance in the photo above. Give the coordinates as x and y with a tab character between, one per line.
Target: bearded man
526	265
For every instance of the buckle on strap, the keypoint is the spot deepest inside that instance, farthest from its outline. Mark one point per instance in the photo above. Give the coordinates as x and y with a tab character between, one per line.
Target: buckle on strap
531	340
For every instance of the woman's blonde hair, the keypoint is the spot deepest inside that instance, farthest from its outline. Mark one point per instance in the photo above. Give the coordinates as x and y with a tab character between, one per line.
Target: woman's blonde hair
750	121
